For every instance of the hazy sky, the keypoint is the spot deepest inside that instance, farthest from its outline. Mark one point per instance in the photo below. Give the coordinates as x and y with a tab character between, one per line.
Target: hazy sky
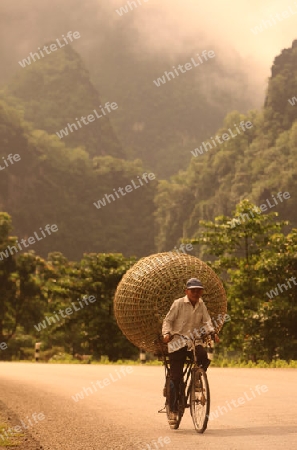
170	24
164	25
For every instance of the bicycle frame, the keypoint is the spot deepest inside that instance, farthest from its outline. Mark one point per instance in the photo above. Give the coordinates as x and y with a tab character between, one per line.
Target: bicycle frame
186	389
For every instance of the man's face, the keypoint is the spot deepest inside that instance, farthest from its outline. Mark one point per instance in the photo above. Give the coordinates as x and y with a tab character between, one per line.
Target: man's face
194	294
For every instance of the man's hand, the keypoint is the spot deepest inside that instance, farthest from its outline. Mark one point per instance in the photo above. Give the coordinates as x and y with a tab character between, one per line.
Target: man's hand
166	338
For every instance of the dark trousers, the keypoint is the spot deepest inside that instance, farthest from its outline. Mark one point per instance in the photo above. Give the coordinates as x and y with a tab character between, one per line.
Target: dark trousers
177	361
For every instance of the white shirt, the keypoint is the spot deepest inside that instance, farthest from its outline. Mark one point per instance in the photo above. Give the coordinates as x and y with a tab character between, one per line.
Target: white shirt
183	318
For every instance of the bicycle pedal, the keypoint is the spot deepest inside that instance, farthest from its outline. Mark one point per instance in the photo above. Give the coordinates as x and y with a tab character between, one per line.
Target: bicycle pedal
163	410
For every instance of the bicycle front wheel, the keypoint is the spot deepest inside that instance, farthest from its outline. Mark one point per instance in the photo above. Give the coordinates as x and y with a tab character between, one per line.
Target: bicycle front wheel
199	399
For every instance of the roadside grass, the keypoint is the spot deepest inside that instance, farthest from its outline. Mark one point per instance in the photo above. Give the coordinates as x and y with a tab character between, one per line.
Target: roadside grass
64	358
260	364
105	360
215	363
13	437
218	361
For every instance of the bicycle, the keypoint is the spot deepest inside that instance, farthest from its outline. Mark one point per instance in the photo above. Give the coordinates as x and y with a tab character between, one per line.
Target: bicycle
193	387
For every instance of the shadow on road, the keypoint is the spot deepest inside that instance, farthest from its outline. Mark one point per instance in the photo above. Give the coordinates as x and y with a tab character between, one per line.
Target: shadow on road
248	431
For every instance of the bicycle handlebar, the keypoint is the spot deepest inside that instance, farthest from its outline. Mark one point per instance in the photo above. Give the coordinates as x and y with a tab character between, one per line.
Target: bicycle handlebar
202	337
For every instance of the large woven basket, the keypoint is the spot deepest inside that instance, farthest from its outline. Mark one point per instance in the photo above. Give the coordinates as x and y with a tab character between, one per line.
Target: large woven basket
148	289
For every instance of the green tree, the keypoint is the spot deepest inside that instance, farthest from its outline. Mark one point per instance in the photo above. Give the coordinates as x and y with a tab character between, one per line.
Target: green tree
21	288
244	249
89	326
99	275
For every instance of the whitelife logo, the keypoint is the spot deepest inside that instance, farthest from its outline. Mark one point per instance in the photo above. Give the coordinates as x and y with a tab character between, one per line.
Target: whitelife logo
120	373
3	346
275	293
132	5
10	158
188	66
225	136
157	444
292	101
19	428
259	210
31	240
68	311
146	177
53	47
274	19
182	341
240	401
87	120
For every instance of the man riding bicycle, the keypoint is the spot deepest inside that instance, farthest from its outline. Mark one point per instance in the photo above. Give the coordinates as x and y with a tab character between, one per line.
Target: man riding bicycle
187	316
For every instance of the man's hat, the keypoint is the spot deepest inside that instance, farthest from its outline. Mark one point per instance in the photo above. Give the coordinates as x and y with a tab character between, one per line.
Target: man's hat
194	283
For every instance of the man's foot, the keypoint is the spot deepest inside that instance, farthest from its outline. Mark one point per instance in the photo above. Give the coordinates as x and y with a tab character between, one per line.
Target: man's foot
172	418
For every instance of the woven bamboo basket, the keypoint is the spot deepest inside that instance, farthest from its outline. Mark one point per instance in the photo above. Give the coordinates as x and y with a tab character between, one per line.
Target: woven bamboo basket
148	289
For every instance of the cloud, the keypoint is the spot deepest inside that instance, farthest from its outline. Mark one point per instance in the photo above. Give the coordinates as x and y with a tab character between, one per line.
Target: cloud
168	27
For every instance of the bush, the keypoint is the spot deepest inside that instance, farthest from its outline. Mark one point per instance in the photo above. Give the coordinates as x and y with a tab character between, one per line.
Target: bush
224	362
62	358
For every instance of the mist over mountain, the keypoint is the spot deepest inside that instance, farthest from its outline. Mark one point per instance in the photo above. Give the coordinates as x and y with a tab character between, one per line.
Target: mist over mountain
125	54
166	28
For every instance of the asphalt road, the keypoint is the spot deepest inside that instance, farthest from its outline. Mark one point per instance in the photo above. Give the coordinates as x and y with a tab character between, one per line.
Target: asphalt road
117	408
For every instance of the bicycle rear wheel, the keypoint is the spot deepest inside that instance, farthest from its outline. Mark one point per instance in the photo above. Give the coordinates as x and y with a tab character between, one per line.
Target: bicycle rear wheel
199	399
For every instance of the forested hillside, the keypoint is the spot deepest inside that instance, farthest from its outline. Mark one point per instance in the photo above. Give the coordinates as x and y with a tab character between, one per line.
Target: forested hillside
50	100
51	183
162	124
256	163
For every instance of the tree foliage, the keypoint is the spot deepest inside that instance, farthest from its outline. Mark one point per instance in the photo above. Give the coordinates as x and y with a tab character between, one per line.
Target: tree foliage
253	257
35	291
